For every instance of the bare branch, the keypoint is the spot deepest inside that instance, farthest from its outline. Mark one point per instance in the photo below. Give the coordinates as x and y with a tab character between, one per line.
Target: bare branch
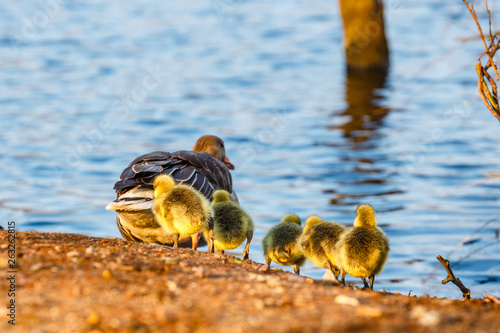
489	22
489	96
451	277
474	16
492	83
485	100
491	298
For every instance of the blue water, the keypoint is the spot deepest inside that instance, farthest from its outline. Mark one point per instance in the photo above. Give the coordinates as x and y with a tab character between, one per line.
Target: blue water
86	86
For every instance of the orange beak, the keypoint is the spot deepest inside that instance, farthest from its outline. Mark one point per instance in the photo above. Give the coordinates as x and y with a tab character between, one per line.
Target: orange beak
228	163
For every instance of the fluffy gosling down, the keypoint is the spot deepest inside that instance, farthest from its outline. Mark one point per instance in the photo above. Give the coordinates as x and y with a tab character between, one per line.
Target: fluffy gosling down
280	243
363	249
232	225
180	209
318	243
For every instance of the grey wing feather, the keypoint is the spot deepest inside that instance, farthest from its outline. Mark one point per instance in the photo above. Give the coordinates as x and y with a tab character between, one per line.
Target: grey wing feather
146	167
199	170
183	175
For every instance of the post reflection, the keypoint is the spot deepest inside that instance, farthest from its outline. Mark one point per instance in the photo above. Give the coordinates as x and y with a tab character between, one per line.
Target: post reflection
360	173
364	107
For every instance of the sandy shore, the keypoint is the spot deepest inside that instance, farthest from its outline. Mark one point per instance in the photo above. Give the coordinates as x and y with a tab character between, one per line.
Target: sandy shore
75	283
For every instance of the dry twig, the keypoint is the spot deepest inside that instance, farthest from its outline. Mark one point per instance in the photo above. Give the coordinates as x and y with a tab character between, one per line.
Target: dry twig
491	298
451	277
488	93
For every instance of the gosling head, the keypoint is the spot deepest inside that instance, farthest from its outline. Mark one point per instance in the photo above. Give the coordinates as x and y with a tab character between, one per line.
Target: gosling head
291	218
220	196
214	146
365	216
312	220
162	183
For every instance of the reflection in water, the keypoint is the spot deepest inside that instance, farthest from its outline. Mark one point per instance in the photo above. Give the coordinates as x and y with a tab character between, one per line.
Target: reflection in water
360	173
363	104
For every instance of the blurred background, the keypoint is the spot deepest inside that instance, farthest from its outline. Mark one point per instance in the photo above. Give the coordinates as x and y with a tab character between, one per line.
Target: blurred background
86	86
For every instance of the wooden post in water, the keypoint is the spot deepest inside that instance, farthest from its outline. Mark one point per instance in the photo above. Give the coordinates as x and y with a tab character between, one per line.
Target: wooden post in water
364	34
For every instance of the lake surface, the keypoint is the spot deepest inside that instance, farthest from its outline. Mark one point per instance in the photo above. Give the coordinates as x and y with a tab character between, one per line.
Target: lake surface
86	86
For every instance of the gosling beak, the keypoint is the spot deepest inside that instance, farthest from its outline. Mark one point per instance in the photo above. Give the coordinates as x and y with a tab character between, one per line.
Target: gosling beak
228	163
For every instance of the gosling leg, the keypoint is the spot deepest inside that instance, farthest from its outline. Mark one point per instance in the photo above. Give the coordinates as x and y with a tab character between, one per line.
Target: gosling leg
371	279
296	269
247	247
210	236
268	262
176	240
210	241
366	285
335	271
194	240
342	274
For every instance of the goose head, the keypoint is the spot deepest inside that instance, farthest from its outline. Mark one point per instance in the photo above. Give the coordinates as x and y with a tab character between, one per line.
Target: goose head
365	216
214	146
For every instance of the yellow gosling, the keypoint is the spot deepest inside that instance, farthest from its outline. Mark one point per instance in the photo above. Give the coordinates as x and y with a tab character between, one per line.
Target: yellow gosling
180	209
363	249
280	243
318	243
232	225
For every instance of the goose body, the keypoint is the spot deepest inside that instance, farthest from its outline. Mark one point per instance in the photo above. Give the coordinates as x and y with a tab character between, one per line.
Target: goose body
318	243
363	249
232	224
280	243
205	168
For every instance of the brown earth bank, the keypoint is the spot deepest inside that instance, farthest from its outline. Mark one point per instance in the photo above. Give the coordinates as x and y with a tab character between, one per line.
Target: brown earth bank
76	283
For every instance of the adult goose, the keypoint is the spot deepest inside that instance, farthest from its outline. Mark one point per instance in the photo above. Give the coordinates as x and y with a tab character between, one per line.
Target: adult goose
205	168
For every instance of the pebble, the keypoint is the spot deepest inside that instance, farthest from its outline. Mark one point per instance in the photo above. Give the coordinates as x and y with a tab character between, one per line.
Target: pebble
97	265
346	300
279	290
259	277
198	272
90	250
93	319
107	274
295	277
424	316
35	267
310	280
171	285
171	261
4	263
274	283
114	322
72	254
367	311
